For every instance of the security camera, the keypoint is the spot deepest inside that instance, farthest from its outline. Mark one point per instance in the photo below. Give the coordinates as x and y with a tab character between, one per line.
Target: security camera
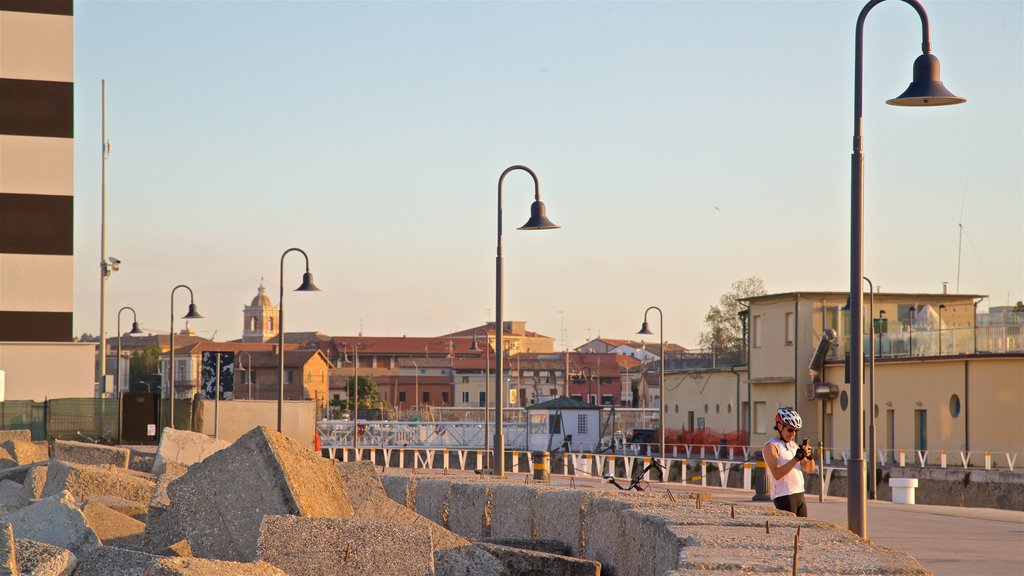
115	264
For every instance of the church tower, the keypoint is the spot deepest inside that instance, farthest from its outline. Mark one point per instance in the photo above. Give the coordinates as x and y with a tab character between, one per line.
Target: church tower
261	318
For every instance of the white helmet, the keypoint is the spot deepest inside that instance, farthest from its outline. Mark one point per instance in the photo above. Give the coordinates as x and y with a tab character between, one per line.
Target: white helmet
788	417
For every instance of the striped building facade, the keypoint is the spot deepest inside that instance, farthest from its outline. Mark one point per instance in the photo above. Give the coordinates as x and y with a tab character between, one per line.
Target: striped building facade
37	194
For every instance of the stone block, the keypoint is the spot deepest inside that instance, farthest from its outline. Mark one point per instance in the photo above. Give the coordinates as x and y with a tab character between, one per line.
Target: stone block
21	435
112	527
398	488
111	561
130	508
561	515
512	511
54	520
85	481
361	482
26	452
469	513
17	473
164	566
91	454
518	562
32	485
466	560
220	502
432	499
184	448
8	553
604	532
180	548
315	546
393	512
11	494
40	559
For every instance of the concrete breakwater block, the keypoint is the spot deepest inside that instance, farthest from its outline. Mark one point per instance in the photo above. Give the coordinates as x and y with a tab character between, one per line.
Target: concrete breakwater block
92	454
22	452
432	499
512	511
469	510
361	483
519	562
39	559
21	435
184	448
317	546
395	513
83	481
167	566
561	515
112	527
32	485
54	520
219	503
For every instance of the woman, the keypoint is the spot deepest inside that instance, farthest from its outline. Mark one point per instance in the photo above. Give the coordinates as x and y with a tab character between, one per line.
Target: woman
782	456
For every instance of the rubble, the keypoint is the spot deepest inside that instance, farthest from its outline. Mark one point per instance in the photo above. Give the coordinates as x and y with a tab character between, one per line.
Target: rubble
91	454
184	448
84	481
55	520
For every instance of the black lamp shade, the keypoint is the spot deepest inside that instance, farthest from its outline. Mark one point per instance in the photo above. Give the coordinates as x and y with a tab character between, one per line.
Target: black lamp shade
307	284
538	218
135	329
474	347
926	89
645	329
193	314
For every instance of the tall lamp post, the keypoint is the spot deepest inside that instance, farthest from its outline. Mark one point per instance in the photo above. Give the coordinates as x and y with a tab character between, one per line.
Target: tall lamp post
193	314
306	286
925	90
646	329
117	366
538	221
487	372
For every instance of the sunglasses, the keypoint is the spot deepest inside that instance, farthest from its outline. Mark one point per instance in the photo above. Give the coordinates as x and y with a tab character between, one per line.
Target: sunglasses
788	429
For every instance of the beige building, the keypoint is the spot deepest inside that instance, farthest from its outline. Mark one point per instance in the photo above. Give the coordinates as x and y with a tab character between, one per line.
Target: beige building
937	387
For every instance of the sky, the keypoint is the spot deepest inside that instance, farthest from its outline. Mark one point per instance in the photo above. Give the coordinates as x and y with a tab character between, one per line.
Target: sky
681	146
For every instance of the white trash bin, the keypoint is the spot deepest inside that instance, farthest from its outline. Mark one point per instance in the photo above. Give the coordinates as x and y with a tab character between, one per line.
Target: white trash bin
903	490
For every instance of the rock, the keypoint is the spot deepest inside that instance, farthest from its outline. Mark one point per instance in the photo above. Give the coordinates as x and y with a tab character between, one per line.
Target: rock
11	494
54	520
26	452
39	559
136	510
91	454
112	527
220	502
21	435
203	567
180	548
184	448
391	511
85	481
111	561
8	551
32	485
467	561
315	546
141	460
519	562
361	482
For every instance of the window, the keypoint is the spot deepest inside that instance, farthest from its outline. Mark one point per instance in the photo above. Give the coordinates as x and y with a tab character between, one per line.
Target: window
252	324
921	429
607	399
554	424
581	424
401	396
465	397
337	396
444	397
287	377
482	399
790	328
179	372
577	397
426	397
760	419
757	331
465	379
270	324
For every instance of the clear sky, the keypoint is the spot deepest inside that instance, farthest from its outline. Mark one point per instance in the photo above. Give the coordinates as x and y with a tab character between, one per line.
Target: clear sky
680	145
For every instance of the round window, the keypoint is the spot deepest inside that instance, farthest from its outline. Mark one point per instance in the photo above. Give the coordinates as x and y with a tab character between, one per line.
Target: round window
705	408
728	408
954	406
844	400
718	408
677	408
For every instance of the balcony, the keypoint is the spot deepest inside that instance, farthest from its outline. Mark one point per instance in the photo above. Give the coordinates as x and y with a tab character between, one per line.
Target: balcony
905	343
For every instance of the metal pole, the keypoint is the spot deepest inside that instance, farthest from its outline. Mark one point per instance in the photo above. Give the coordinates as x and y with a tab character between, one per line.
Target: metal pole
117	377
872	464
216	402
355	415
103	247
280	332
171	367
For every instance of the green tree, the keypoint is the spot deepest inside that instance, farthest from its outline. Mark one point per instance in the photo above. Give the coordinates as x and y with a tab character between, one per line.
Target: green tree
368	396
722	327
143	375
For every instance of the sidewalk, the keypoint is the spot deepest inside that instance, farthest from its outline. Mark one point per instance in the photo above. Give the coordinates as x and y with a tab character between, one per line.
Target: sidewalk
947	540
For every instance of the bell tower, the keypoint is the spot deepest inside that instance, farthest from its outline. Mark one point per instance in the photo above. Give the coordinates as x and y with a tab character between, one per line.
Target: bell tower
260	318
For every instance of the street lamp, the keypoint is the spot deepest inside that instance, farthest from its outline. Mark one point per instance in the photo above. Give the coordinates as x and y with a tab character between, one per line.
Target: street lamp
193	314
538	221
306	286
646	329
941	308
925	90
487	370
117	366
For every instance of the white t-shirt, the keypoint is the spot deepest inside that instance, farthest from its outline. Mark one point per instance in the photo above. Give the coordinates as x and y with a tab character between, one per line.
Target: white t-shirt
792	483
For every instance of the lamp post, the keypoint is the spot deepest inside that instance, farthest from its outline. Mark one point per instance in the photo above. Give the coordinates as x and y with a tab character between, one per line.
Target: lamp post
538	221
646	329
941	308
248	371
193	314
925	90
107	266
117	366
306	286
355	394
487	369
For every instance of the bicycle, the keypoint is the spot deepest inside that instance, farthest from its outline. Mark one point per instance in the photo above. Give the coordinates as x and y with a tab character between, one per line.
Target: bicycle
104	438
637	482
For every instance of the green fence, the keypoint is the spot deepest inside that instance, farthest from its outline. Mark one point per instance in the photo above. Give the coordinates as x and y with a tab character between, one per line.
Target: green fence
80	419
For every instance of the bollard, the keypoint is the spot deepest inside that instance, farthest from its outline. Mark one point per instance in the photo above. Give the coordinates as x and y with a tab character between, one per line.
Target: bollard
541	466
761	491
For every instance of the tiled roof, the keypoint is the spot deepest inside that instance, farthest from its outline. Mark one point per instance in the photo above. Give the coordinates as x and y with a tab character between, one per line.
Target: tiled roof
401	345
563	403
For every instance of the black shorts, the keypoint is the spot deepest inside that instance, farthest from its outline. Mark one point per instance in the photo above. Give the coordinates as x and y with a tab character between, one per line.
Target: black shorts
794	503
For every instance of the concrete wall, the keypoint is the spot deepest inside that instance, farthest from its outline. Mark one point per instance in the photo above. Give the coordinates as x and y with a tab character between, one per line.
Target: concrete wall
41	370
236	417
709	394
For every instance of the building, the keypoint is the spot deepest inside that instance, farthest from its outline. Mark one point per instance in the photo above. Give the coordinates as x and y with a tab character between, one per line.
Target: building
515	337
261	319
647	352
38	355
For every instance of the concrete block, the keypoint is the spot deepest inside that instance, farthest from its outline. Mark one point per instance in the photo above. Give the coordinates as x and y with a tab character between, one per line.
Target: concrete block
27	452
561	515
467	560
161	531
647	545
8	554
361	482
316	546
395	513
184	448
111	561
17	473
512	511
604	532
469	510
11	494
91	454
163	566
40	559
141	459
220	502
32	485
397	487
54	520
129	508
432	499
6	459
85	481
547	546
112	527
518	562
21	435
180	548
